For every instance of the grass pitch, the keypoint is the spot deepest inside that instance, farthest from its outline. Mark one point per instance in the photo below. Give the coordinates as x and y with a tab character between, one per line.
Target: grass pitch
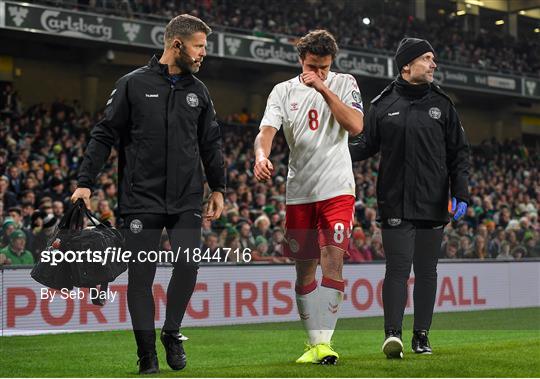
496	343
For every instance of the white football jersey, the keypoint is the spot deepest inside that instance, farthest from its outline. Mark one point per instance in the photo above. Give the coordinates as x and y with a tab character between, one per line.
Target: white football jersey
320	165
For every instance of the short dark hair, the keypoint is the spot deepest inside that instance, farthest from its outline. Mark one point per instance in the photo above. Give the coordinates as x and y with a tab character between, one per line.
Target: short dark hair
107	185
15	209
184	25
453	243
318	42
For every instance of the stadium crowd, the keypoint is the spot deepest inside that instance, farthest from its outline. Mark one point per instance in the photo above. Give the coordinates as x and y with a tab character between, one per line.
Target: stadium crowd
487	49
40	151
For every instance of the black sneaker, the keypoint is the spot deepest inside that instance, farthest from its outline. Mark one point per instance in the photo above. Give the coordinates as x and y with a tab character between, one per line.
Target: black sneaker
420	342
176	356
392	346
148	364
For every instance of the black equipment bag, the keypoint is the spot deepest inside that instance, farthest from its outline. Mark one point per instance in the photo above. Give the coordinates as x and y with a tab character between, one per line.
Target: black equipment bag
70	236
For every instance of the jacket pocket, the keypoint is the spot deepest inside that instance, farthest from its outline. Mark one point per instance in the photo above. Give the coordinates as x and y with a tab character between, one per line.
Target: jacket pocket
133	169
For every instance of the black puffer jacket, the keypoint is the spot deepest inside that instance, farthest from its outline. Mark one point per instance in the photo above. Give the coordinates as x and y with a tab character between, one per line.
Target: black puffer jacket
424	151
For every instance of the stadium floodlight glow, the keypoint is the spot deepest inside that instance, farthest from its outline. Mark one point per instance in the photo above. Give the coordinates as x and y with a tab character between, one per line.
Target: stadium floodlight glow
366	21
475	2
499	22
461	12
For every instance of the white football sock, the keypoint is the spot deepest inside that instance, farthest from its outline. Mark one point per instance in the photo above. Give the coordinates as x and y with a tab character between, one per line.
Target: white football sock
330	299
307	301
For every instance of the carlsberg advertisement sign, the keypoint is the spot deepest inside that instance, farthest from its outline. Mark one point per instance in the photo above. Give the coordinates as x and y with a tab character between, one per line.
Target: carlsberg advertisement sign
31	18
66	23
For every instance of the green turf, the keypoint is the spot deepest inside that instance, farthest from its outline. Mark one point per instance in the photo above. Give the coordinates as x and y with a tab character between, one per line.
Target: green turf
500	343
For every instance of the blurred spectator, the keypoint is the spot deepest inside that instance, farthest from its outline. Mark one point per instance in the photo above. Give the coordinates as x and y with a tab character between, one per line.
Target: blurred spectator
232	242
261	252
110	194
9	199
58	209
262	227
210	243
519	252
494	247
246	238
504	253
451	249
532	245
277	241
15	252
358	249
465	247
377	250
27	211
480	250
8	227
105	214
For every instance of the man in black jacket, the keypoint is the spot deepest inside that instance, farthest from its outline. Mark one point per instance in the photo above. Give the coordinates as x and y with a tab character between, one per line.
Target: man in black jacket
164	122
424	153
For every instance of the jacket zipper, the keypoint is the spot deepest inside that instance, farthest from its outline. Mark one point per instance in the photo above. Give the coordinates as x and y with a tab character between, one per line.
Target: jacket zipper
404	200
171	90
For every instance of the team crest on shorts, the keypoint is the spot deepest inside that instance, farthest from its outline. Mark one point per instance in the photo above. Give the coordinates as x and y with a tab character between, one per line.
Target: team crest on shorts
192	99
293	245
136	226
435	113
394	221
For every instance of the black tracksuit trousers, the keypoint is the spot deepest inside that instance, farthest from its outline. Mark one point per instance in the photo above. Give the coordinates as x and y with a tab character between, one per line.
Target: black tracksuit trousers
184	230
409	243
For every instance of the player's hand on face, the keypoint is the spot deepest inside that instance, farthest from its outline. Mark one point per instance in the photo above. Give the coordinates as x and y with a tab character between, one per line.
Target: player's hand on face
263	169
311	79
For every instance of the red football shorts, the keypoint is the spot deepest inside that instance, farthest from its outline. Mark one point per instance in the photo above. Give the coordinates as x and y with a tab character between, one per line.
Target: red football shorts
310	227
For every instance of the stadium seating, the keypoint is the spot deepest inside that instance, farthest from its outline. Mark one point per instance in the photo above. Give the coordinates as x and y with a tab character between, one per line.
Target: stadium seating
40	151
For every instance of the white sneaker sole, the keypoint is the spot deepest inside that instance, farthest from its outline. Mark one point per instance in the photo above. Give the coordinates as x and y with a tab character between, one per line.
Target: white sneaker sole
393	347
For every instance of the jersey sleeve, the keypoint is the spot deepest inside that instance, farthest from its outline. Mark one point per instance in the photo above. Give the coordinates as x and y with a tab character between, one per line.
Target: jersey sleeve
350	94
273	114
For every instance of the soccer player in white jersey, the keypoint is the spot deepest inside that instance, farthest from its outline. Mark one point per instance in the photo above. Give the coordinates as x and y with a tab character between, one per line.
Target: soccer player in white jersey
317	110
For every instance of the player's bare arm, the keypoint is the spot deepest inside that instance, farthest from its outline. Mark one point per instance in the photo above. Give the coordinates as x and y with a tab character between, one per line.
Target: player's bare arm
349	118
263	145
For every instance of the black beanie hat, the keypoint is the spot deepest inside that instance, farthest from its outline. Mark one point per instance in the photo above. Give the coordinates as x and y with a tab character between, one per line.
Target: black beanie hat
411	48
